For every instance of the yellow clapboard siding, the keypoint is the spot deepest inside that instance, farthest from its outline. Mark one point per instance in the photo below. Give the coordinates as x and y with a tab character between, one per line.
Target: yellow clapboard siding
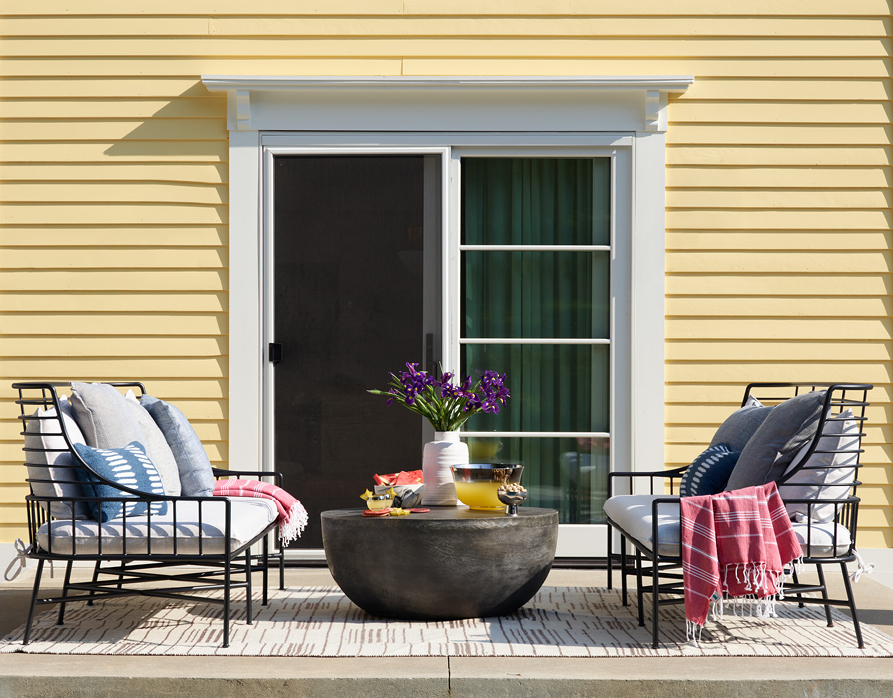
115	236
112	369
328	25
832	240
705	350
119	258
453	46
768	306
870	538
114	280
830	111
817	154
764	198
813	261
112	324
803	370
114	108
113	192
52	301
191	67
774	328
794	134
168	346
104	151
779	283
94	88
735	8
775	219
223	7
756	89
198	173
713	176
170	390
784	68
144	213
151	129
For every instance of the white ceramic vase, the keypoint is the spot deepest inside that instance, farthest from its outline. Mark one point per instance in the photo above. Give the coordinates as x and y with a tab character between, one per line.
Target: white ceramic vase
439	455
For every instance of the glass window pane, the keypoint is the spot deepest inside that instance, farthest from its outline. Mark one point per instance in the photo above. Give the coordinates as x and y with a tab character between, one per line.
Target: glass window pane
548	295
570	475
554	387
536	201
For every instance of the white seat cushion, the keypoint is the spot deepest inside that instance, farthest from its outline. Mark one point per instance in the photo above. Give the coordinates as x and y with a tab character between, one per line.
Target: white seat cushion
821	541
632	512
249	517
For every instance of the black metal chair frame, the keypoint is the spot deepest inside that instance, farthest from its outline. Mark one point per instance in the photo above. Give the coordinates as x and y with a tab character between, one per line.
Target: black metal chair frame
130	572
665	571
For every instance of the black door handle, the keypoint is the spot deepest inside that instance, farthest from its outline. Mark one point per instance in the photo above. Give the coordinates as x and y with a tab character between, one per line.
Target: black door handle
275	352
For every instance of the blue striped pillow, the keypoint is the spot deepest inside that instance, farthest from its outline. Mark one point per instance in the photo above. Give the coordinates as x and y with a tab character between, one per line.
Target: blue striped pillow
709	472
128	466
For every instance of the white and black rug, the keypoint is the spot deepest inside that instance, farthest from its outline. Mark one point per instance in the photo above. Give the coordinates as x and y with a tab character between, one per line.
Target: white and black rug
322	622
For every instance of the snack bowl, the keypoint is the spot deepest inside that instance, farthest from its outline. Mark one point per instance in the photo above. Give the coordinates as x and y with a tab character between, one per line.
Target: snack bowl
477	483
405	496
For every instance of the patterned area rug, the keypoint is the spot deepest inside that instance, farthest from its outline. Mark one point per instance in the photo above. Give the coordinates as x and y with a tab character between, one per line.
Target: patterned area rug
321	622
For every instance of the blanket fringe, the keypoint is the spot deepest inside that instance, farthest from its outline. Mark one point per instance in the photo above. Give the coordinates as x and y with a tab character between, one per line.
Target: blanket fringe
295	522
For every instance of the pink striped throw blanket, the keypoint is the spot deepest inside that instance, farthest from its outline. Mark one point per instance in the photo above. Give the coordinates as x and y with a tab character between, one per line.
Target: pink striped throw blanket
735	542
292	515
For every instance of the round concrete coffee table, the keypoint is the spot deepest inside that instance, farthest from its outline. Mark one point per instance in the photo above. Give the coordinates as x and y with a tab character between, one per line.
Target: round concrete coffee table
448	564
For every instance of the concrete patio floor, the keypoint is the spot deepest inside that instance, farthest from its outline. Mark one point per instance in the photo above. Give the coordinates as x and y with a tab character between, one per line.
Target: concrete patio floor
225	677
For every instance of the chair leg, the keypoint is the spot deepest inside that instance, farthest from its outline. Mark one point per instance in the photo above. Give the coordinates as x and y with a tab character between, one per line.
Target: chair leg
266	569
61	619
796	581
281	567
624	598
640	589
852	603
654	599
226	592
248	618
95	579
610	559
821	572
34	593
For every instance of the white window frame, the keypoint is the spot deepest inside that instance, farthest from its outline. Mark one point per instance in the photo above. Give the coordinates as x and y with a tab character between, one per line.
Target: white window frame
562	114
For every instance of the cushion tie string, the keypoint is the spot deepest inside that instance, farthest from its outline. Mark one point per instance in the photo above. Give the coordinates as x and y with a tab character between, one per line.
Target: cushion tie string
867	569
18	562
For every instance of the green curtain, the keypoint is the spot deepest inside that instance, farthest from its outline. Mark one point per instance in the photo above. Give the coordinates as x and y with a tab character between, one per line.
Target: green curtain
543	295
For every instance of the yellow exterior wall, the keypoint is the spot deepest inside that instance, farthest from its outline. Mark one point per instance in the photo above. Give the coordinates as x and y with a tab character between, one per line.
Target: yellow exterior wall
113	185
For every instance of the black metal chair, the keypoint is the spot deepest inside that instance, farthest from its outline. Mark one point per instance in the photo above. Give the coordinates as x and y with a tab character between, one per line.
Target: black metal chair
658	556
180	555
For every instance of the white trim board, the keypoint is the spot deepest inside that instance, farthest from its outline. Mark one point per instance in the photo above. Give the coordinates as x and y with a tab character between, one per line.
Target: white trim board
560	116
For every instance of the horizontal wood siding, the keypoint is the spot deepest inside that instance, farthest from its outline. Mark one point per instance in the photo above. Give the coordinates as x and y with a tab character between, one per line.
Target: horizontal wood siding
113	185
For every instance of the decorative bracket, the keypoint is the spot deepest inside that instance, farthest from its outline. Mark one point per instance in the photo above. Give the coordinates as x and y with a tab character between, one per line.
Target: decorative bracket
655	110
243	110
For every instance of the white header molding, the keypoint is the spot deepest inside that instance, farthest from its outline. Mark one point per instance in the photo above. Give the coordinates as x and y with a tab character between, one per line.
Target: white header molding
614	103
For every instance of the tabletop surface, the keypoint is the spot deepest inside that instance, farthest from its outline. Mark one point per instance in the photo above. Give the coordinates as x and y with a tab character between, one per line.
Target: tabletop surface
446	514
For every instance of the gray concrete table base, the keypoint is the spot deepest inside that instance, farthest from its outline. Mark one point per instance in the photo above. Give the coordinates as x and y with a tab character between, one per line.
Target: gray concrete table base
449	564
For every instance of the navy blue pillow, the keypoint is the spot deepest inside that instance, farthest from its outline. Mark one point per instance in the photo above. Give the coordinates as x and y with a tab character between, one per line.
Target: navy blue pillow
709	472
128	466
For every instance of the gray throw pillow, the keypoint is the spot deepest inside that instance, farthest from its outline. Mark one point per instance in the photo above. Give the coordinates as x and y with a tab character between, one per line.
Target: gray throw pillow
103	416
156	447
46	434
196	476
736	431
773	446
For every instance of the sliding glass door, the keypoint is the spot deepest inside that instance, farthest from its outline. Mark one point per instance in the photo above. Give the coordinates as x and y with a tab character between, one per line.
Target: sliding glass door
535	304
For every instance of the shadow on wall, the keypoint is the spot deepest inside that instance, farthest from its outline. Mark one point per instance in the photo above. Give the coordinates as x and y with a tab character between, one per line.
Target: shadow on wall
191	126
